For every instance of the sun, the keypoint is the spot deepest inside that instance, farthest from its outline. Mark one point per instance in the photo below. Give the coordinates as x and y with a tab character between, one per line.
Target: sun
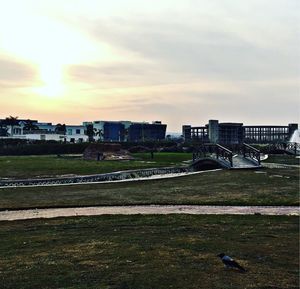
47	44
52	83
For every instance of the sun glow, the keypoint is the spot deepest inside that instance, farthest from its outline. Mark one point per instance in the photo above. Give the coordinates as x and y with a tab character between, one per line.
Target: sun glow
46	43
52	81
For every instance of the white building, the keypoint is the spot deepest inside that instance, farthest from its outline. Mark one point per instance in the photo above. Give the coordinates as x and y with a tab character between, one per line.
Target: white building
76	133
46	131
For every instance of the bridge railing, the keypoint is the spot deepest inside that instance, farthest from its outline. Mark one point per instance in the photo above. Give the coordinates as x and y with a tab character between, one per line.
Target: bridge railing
224	154
293	147
290	147
251	152
214	150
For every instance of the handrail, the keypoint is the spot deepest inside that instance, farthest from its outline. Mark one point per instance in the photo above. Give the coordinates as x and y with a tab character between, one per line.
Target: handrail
251	147
223	148
293	146
220	152
251	152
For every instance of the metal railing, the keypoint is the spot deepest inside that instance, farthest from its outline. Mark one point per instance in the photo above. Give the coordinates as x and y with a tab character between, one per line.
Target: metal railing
215	151
251	152
293	147
290	147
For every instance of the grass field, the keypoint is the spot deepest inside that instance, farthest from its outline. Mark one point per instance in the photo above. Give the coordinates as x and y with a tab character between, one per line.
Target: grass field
45	166
283	159
226	187
143	252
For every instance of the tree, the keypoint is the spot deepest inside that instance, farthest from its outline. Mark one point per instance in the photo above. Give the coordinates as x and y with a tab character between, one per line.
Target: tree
60	128
3	128
90	132
11	121
99	132
30	126
126	134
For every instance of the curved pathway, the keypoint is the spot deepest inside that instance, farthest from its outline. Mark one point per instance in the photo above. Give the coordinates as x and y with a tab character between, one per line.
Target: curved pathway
145	210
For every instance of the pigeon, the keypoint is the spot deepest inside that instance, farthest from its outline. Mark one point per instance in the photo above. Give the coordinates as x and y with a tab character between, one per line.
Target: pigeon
230	263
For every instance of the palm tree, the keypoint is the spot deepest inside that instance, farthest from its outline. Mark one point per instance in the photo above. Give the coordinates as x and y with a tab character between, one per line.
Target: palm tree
3	128
90	132
11	121
126	133
60	128
99	132
30	126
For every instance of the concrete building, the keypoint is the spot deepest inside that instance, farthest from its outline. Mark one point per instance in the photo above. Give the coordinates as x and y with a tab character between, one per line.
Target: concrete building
34	130
15	128
76	133
46	127
236	133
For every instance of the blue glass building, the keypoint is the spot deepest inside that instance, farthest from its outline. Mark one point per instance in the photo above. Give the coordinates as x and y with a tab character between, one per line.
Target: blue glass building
113	131
146	132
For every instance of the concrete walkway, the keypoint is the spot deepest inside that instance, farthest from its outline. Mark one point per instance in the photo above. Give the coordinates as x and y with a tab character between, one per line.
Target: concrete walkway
146	210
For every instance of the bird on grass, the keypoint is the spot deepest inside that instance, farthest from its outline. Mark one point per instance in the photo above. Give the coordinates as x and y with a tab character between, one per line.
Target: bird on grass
230	263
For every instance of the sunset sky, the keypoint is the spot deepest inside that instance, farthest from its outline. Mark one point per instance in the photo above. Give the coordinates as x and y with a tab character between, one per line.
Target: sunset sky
181	62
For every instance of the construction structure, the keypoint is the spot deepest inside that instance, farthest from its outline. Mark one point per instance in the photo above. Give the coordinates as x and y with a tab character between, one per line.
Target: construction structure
238	133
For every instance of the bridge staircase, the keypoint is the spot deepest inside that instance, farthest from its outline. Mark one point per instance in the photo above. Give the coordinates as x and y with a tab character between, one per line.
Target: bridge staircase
292	148
216	155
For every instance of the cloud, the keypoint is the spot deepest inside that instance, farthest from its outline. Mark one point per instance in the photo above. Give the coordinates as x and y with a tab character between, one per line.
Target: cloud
178	61
210	52
16	74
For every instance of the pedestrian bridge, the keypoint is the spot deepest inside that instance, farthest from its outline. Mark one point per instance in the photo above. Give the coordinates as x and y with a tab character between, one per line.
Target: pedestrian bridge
210	156
292	148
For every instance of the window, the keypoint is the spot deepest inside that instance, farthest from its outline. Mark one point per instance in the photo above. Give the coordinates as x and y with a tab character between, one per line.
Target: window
77	131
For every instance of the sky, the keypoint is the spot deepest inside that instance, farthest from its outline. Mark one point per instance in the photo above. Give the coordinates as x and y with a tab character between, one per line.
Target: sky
178	61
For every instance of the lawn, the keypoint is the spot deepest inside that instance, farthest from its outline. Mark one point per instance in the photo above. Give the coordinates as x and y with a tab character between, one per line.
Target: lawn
143	252
225	187
283	159
52	165
18	167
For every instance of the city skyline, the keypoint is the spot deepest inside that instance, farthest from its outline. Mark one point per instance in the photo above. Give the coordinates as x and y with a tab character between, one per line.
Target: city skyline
177	62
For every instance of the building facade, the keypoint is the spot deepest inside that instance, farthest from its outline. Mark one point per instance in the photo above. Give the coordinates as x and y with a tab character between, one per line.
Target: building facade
236	133
119	131
107	131
147	132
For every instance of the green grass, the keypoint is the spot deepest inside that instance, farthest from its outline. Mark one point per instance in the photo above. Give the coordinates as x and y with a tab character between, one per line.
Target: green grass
145	252
283	159
226	187
46	166
18	167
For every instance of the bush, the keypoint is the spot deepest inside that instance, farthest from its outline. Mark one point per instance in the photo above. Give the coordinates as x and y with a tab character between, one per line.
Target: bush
42	148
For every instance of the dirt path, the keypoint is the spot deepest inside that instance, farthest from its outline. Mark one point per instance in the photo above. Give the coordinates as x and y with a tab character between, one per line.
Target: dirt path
152	209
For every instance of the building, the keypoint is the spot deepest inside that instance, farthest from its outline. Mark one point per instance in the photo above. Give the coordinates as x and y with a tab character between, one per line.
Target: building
15	127
119	131
269	133
236	133
147	132
46	131
113	131
107	131
76	133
